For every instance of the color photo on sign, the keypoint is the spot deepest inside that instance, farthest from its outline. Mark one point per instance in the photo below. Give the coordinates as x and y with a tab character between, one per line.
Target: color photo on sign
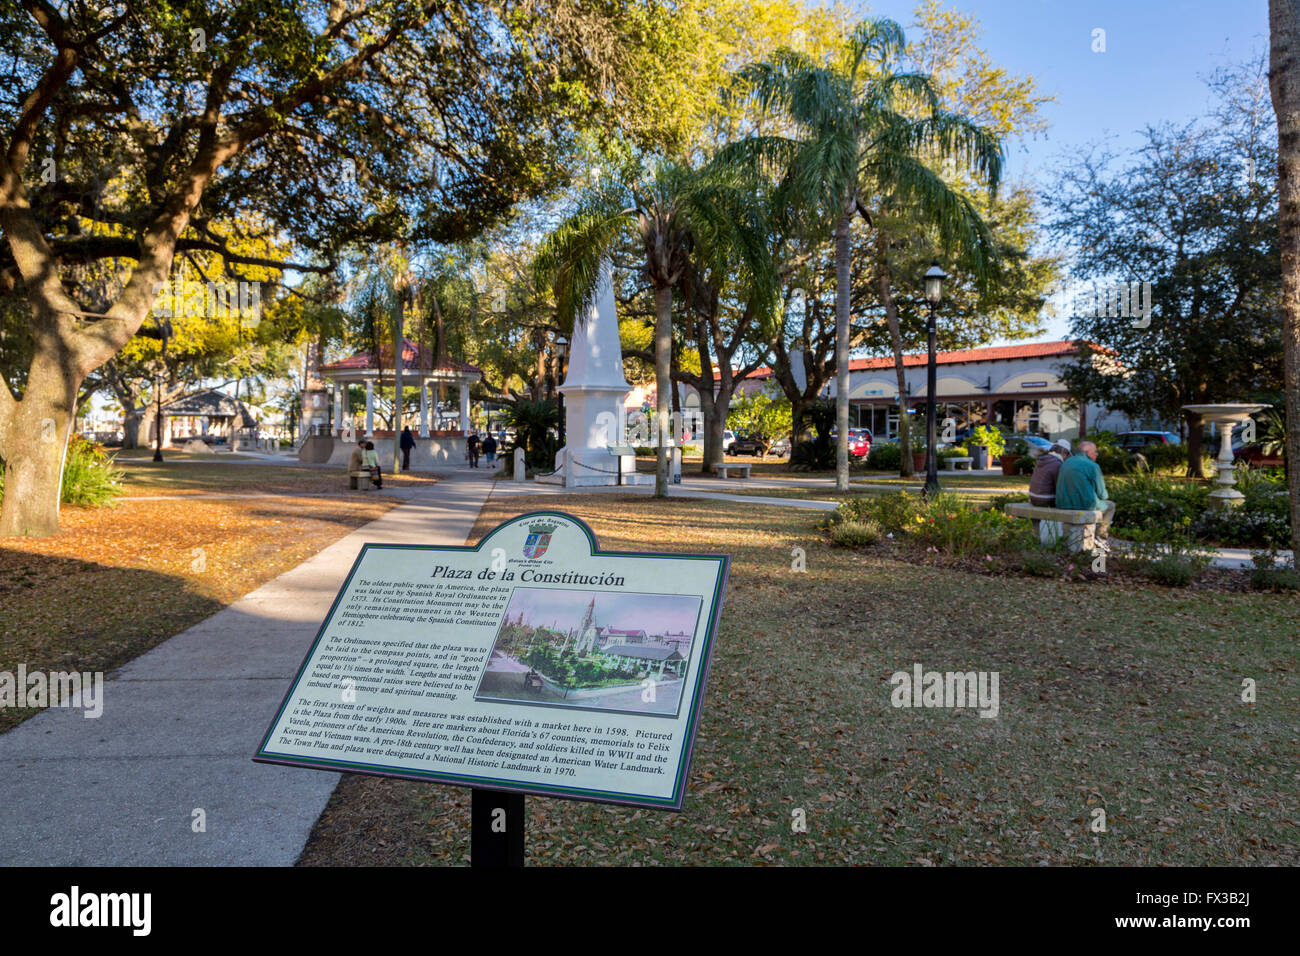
589	650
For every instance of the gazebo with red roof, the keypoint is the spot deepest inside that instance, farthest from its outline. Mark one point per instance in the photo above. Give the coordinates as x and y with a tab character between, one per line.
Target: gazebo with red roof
418	366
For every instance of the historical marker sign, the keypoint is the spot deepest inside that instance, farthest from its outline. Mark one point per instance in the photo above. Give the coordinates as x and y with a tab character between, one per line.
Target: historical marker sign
532	662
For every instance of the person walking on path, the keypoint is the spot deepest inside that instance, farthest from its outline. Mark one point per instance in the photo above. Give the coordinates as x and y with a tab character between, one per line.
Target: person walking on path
1042	485
471	446
371	464
490	449
1079	485
408	442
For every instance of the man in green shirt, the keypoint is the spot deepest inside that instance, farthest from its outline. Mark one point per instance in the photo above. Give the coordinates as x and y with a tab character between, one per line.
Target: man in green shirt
1079	485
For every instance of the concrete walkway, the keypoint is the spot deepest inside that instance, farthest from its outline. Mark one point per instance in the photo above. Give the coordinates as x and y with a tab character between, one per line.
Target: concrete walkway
180	725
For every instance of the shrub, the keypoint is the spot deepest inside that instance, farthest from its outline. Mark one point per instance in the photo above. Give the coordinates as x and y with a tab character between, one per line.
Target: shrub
812	456
533	422
1275	579
1040	564
1238	526
942	521
1173	570
1169	557
1269	575
1146	503
892	512
1000	502
885	456
856	534
90	478
990	438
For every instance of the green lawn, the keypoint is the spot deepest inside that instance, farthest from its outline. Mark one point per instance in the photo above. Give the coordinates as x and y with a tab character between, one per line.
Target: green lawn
1113	695
181	474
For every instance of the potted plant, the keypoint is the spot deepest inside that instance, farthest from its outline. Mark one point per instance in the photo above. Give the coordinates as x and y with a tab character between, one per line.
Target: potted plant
1010	459
918	452
986	445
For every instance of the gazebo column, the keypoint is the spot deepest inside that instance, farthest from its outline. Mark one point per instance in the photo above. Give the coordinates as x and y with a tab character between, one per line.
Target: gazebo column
370	406
336	423
424	408
464	409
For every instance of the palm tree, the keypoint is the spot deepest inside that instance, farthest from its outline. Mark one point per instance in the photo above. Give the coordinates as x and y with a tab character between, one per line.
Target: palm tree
859	127
666	212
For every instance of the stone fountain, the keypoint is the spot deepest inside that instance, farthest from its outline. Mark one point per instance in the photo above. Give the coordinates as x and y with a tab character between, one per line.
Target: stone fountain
1225	417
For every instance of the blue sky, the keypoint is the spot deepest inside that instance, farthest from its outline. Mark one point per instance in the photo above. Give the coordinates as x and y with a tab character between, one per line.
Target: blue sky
1156	53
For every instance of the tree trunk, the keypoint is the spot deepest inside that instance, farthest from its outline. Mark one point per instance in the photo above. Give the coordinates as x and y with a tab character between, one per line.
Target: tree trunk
1284	84
1194	452
34	437
716	450
663	383
712	432
842	351
896	345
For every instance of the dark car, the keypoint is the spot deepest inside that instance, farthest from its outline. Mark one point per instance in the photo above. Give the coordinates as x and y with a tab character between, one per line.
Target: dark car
1136	441
1255	456
747	445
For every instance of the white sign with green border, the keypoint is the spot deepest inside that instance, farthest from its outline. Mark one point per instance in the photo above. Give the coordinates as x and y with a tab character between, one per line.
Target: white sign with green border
531	662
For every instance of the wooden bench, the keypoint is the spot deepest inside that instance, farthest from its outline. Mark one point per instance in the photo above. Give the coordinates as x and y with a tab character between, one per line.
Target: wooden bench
1080	524
724	470
359	480
950	464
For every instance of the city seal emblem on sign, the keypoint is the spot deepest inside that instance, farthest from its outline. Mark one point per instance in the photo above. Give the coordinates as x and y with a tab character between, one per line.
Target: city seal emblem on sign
539	536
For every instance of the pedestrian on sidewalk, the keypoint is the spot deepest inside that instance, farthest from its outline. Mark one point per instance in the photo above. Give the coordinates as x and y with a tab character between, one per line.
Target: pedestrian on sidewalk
371	464
490	449
471	447
408	442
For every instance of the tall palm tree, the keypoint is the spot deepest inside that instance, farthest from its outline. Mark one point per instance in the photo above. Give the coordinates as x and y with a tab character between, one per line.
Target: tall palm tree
860	125
667	212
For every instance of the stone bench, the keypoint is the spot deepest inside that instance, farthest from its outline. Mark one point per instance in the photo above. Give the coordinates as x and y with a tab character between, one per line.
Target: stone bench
1079	524
950	464
359	480
724	470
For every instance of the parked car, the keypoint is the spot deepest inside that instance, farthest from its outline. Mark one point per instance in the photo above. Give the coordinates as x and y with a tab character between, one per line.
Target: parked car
728	436
859	441
1254	456
780	448
747	445
1037	444
1136	441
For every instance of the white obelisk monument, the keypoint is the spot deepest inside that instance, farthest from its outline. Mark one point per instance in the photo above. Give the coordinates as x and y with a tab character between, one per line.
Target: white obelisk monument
594	390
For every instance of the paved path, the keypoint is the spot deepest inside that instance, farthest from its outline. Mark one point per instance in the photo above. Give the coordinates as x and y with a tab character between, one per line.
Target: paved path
180	725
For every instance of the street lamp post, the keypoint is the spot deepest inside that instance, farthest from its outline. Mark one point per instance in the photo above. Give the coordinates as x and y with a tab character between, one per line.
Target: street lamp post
934	277
561	349
164	332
